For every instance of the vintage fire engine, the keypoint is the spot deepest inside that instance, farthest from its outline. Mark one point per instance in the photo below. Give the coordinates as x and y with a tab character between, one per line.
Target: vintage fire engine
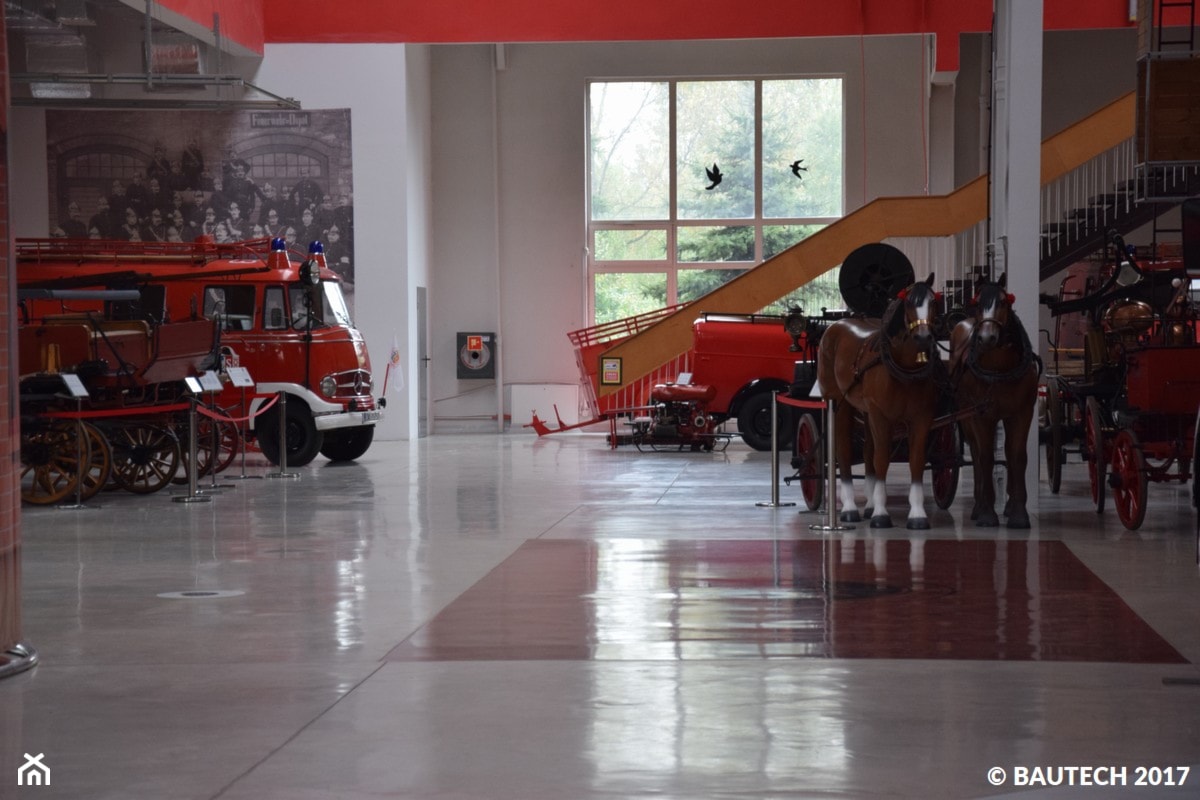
279	315
736	364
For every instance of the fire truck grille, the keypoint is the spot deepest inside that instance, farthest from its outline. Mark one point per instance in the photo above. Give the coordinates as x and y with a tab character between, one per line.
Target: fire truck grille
353	382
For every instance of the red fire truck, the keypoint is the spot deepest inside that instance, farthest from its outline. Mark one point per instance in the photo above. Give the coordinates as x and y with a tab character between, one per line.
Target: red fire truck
736	364
281	315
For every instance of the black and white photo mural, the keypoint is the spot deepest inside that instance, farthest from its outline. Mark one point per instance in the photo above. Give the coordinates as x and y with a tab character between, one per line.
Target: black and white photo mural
229	175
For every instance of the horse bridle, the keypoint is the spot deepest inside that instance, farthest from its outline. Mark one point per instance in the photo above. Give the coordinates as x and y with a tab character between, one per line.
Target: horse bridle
1022	341
925	365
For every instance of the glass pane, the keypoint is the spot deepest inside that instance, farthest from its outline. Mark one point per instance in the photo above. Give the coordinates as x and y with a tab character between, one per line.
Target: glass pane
626	245
802	148
630	153
777	238
703	244
715	133
815	296
624	294
695	283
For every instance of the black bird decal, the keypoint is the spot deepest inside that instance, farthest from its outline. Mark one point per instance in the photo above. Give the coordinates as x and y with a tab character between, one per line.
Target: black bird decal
797	169
714	175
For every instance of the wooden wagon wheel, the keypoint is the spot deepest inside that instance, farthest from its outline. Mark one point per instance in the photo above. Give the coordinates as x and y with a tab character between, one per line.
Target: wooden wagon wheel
99	463
810	461
945	460
1055	454
1129	479
1093	435
50	461
145	456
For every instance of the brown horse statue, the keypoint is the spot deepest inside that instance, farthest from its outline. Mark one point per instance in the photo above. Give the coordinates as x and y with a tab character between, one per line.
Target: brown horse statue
995	373
889	370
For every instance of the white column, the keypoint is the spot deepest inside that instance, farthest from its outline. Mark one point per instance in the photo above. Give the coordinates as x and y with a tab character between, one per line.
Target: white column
1016	167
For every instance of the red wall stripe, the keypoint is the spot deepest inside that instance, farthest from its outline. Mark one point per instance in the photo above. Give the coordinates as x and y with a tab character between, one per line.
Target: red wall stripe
619	20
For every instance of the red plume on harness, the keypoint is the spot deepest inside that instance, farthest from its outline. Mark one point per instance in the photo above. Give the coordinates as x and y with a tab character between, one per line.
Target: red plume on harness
1011	299
902	294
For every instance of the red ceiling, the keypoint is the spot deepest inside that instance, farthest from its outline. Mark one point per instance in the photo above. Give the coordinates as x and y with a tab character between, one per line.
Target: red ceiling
616	20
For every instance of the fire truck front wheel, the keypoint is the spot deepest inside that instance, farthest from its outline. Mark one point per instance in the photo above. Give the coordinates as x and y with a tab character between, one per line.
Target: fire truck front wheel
754	423
304	441
347	444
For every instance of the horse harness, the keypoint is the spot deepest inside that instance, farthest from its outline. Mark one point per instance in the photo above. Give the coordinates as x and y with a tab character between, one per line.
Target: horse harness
880	345
974	349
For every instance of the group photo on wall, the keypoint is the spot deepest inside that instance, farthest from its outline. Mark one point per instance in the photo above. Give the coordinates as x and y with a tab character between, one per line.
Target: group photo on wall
179	176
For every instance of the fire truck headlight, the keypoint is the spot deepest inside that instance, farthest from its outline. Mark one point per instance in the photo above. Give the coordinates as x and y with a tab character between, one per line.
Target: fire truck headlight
328	386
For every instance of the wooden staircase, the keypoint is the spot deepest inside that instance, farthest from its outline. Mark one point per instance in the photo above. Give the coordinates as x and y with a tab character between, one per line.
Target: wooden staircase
883	218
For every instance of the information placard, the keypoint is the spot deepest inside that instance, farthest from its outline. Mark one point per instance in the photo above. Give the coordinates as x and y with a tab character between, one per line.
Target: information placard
210	381
74	385
240	376
193	385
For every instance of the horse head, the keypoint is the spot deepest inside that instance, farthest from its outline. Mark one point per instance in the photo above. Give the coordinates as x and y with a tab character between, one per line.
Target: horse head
991	310
916	318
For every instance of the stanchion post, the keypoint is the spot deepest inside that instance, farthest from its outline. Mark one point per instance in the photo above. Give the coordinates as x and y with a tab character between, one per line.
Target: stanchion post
240	376
832	523
80	432
214	487
283	473
244	429
192	496
774	503
83	451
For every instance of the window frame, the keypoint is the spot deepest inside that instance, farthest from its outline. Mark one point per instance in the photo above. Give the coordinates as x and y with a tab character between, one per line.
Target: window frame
671	265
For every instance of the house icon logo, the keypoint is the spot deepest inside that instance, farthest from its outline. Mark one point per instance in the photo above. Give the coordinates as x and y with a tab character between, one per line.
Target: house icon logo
33	772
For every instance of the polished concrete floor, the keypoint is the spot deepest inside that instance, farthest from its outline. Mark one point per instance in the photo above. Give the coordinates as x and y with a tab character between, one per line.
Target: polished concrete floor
501	616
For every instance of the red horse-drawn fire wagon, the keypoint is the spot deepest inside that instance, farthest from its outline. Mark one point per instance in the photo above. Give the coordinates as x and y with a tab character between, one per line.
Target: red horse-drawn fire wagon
1133	402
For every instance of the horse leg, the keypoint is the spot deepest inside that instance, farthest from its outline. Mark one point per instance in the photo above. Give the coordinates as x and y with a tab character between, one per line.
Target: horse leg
971	436
918	434
870	481
843	427
1016	431
881	434
984	456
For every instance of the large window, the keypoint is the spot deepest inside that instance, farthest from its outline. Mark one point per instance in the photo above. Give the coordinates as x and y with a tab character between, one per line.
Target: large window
693	182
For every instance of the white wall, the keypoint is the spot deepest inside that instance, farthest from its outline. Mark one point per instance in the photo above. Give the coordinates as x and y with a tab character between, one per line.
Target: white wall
385	86
534	184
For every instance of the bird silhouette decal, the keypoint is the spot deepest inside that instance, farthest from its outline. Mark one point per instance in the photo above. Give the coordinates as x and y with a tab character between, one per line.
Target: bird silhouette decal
714	175
797	169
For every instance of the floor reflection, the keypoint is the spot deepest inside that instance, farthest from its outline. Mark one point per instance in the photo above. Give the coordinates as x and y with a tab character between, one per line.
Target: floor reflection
848	598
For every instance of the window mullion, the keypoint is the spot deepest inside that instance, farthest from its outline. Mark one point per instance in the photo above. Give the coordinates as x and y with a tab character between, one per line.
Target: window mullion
758	172
672	203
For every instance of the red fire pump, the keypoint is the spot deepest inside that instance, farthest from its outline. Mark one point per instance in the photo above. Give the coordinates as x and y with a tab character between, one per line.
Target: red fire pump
679	418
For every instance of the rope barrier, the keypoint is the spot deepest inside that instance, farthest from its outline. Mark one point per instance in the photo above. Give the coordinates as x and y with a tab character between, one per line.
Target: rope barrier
799	403
238	420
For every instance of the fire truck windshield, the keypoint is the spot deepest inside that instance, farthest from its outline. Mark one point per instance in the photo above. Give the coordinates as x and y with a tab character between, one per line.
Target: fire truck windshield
333	309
